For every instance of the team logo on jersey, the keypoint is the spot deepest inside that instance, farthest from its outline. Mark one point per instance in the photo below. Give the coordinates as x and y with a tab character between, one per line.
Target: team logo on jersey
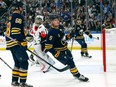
50	38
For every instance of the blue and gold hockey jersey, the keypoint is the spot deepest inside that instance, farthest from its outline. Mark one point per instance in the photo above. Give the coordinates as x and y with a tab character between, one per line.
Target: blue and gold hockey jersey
55	40
80	30
15	29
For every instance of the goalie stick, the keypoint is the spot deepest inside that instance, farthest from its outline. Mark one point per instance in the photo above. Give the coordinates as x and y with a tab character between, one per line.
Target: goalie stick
60	70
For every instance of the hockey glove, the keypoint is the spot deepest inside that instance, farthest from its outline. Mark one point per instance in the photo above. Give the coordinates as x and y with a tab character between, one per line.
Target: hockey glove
24	44
29	38
90	36
42	35
70	35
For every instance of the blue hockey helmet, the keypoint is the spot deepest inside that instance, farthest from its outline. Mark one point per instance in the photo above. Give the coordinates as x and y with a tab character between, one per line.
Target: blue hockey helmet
54	17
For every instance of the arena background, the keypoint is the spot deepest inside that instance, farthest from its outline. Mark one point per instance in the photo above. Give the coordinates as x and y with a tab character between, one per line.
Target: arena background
96	14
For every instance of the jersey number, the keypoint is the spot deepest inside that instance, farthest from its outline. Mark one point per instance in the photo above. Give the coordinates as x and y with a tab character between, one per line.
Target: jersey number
18	20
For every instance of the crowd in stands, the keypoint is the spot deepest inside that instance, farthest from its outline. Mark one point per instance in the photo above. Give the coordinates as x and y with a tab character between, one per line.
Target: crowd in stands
92	13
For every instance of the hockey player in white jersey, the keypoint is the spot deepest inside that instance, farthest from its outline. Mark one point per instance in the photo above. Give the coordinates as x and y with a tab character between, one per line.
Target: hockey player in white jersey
39	32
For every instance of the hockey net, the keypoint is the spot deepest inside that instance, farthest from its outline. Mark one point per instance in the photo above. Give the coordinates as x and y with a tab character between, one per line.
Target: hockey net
109	49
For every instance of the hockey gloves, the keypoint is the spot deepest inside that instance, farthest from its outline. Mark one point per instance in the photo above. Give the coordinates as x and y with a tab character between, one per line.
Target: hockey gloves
90	36
29	38
70	35
42	35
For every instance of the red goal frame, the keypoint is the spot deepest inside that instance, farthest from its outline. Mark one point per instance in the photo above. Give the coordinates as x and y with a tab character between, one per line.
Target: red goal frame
104	48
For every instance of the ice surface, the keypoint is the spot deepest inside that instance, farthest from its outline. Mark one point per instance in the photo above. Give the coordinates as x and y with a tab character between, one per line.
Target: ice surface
91	68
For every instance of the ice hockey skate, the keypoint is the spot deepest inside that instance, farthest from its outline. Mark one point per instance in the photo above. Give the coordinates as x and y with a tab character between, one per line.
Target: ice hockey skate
25	85
82	78
15	84
86	55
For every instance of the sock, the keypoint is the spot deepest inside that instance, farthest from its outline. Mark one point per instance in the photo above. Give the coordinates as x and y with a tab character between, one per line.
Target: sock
23	75
15	75
75	72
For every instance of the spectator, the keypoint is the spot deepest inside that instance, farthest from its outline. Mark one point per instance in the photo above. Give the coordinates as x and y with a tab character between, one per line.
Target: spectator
2	26
106	8
2	10
68	15
98	26
67	18
8	2
92	25
3	4
107	24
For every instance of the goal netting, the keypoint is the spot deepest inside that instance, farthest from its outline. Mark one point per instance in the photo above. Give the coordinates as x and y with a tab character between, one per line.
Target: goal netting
109	49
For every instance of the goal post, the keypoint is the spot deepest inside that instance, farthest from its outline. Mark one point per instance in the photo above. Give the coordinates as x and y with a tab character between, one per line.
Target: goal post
109	49
104	48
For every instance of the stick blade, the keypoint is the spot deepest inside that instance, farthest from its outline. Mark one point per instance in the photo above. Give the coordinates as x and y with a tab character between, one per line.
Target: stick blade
63	69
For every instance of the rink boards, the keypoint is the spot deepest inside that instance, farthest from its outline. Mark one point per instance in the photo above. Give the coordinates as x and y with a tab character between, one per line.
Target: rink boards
93	44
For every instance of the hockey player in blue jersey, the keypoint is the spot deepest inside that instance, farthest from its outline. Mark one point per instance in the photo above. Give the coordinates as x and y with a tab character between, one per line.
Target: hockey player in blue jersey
79	30
15	29
56	44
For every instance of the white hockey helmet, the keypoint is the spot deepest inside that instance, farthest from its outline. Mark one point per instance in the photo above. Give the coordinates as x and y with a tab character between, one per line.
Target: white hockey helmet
39	20
39	17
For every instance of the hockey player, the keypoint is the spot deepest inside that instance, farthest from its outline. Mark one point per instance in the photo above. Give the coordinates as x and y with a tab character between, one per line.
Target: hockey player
79	30
56	44
39	32
15	29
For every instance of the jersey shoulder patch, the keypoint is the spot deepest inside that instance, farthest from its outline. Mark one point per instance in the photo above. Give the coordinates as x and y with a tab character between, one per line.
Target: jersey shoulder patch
50	37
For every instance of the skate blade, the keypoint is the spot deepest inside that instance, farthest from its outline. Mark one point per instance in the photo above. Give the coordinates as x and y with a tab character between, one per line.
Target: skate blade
86	56
14	86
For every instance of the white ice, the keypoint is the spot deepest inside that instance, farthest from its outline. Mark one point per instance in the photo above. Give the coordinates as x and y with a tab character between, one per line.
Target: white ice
91	68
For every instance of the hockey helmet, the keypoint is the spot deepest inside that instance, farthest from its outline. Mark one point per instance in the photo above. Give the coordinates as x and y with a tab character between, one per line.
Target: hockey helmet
38	20
54	17
39	17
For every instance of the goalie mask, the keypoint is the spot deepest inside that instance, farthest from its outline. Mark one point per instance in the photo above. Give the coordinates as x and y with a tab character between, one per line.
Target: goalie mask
38	20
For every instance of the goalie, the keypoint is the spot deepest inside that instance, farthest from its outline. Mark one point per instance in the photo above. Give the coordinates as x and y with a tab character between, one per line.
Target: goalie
39	32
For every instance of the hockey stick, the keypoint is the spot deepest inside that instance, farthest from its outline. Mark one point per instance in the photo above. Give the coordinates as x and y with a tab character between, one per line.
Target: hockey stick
72	43
31	60
60	70
5	63
97	38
